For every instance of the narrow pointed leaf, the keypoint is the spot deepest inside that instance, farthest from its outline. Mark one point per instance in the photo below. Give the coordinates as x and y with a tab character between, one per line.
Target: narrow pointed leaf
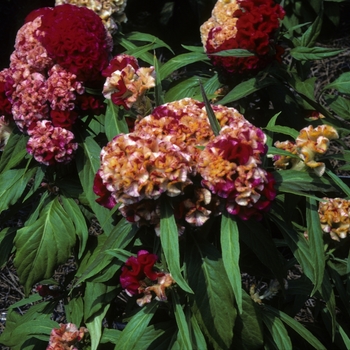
315	234
278	331
297	326
169	236
183	336
115	123
229	237
213	300
134	330
45	244
341	84
211	115
339	182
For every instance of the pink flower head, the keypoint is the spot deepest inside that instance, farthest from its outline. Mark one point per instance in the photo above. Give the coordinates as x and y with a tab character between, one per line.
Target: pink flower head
136	270
76	39
243	24
126	82
229	168
49	144
65	337
134	168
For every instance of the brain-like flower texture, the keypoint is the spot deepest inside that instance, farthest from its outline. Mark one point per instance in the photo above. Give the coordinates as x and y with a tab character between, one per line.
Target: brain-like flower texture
164	155
65	337
335	217
311	144
126	82
50	145
243	24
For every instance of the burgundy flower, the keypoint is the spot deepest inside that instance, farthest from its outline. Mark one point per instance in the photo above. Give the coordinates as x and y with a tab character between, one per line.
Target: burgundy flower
105	197
137	269
63	119
77	40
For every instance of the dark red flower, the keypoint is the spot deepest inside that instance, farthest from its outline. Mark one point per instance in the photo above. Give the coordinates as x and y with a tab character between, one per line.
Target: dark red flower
77	40
64	119
90	104
137	269
118	63
100	189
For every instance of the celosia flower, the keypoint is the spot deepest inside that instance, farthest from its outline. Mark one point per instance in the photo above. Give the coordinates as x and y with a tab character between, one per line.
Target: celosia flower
136	270
62	88
76	39
310	145
126	82
50	145
230	170
335	217
5	104
243	24
105	197
134	168
65	337
110	11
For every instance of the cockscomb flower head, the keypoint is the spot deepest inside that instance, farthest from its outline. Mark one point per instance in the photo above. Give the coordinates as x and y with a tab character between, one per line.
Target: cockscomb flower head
243	24
126	82
49	144
334	216
310	145
110	11
76	39
229	169
134	168
65	337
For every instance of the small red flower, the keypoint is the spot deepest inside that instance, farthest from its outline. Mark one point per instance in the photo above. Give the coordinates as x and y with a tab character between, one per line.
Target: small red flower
137	269
105	197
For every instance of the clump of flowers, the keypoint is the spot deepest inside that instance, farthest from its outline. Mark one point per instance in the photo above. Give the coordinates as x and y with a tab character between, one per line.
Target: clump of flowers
311	144
65	337
127	82
140	277
110	11
164	155
243	24
58	53
335	217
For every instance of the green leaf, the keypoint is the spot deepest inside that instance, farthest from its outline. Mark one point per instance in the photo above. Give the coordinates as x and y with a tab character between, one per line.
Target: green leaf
211	115
121	236
134	330
7	236
96	297
339	182
301	182
183	336
74	310
14	152
212	302
158	90
110	336
340	105
74	213
309	38
95	327
200	343
278	331
115	123
301	53
12	185
169	237
42	246
185	88
341	84
248	329
233	53
315	234
88	163
344	337
138	36
244	89
297	326
180	61
229	237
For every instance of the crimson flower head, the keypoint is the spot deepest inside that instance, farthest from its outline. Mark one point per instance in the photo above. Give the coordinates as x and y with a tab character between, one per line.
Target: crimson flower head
76	39
136	270
243	24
